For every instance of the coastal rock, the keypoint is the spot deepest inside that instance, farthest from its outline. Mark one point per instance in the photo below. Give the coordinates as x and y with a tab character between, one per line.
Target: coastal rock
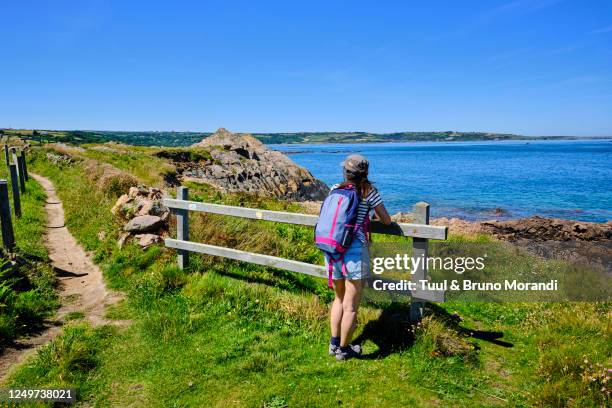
459	226
585	243
403	217
548	229
241	163
499	212
144	223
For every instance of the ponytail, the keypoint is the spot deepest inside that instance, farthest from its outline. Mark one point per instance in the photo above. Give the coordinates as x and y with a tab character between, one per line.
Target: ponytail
361	183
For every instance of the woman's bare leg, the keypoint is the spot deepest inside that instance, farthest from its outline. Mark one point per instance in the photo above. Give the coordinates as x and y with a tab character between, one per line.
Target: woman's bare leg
350	305
336	309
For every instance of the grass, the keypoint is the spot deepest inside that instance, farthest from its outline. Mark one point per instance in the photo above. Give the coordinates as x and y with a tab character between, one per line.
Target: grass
27	294
226	333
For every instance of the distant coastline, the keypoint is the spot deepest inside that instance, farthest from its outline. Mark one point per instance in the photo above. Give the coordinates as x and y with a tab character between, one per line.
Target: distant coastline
178	139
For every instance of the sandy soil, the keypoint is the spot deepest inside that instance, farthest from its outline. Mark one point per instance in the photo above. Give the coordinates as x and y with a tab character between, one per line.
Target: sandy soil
80	283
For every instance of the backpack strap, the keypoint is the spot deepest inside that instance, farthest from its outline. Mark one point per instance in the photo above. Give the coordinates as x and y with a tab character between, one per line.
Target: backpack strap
330	267
330	270
366	227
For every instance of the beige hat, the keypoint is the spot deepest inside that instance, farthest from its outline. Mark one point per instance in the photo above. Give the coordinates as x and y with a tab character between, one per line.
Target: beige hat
356	163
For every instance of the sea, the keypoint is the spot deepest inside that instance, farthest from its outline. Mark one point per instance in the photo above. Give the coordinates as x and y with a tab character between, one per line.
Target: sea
569	179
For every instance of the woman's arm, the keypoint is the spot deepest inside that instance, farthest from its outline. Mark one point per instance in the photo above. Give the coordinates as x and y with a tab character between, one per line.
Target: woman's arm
382	214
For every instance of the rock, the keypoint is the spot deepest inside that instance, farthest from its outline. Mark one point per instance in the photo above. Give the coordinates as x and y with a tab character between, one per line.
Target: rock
459	226
121	202
144	223
241	163
140	201
548	229
122	238
145	208
402	217
146	240
498	211
133	193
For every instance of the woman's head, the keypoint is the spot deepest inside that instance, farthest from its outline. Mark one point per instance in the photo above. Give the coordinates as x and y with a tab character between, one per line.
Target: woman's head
355	168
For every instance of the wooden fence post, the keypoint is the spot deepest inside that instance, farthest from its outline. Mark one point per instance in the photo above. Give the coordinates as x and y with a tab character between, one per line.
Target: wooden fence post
419	250
25	165
17	162
8	238
6	154
15	188
182	227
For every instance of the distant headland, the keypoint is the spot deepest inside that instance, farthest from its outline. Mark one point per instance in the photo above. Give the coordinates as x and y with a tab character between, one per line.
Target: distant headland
172	138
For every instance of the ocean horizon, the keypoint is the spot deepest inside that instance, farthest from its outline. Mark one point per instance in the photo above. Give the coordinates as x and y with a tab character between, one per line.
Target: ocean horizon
570	179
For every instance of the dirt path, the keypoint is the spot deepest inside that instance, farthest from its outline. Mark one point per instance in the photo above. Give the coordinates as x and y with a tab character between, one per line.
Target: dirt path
81	286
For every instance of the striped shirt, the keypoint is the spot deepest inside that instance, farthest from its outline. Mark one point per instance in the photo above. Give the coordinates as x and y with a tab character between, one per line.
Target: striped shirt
366	207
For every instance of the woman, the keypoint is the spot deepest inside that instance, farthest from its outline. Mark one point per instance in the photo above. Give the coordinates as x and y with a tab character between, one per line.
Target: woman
343	316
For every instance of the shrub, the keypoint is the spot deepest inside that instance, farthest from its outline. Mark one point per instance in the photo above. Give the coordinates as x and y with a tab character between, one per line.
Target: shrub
110	180
116	184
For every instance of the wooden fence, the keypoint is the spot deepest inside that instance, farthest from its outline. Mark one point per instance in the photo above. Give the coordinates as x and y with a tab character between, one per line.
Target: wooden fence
420	231
18	173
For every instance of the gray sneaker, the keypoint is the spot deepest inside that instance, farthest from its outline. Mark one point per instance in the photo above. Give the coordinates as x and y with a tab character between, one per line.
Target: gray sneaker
346	355
333	350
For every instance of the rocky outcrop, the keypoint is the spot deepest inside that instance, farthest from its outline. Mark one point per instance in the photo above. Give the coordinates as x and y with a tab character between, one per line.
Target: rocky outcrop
545	229
146	216
585	243
241	163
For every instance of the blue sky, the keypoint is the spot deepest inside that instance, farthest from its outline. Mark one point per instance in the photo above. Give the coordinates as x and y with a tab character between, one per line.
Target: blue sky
535	67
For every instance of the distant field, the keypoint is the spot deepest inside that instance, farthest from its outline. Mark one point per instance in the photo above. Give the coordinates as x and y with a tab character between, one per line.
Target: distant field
189	138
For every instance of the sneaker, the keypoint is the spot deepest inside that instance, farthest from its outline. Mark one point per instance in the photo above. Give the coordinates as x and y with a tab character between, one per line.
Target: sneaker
333	350
354	350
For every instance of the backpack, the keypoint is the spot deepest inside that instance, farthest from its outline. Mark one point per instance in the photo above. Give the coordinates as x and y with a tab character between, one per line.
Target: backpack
337	225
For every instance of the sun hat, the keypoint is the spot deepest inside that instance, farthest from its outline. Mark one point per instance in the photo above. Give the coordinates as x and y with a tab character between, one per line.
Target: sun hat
356	164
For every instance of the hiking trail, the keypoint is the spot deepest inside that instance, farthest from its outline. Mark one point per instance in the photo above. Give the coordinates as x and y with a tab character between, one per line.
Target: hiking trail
81	286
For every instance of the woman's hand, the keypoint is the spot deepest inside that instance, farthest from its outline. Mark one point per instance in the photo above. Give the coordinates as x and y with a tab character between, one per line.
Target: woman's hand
382	214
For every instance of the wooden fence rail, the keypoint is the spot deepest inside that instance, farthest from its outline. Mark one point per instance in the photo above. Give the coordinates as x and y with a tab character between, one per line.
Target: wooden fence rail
420	231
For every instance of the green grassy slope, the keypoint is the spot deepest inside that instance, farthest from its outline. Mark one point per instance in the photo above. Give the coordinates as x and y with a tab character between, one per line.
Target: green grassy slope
226	333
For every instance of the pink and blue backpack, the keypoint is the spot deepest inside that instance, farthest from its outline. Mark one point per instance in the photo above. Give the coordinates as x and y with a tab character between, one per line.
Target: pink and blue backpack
337	225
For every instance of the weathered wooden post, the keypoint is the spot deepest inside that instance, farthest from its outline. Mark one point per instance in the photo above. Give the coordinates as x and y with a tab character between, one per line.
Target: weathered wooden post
25	165
8	238
15	189
419	250
6	155
182	227
19	170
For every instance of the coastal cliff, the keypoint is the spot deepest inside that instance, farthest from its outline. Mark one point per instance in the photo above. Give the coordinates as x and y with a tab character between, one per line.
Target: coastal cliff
241	163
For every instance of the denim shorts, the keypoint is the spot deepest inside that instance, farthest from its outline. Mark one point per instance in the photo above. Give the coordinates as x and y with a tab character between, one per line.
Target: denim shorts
357	261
